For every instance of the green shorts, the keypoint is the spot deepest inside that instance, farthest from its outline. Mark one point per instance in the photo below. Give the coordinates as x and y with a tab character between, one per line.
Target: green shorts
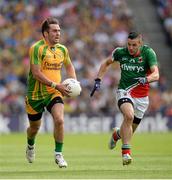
35	108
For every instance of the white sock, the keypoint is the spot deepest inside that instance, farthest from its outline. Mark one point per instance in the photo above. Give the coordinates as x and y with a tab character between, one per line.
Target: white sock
58	153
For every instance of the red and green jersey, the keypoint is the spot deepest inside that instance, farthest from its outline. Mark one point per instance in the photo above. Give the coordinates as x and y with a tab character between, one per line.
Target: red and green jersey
50	60
134	67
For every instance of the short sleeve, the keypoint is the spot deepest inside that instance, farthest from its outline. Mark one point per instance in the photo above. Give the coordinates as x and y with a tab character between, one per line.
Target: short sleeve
67	59
115	54
152	58
34	55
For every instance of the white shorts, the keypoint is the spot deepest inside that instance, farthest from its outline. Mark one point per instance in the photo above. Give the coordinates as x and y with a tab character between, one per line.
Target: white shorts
140	104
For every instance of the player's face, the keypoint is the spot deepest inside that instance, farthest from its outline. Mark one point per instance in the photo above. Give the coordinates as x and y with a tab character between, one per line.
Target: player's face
133	46
53	34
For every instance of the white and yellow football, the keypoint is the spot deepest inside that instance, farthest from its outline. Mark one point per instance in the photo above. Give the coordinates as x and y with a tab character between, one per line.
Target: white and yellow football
74	86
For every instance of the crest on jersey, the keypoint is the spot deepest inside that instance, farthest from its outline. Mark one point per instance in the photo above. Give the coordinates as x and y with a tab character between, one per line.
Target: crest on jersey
140	60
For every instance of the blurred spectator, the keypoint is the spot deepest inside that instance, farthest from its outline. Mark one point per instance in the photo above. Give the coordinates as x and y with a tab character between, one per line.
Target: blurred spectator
164	9
91	30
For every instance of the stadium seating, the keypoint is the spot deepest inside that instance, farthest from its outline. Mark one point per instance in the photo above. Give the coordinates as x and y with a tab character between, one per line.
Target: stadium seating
85	33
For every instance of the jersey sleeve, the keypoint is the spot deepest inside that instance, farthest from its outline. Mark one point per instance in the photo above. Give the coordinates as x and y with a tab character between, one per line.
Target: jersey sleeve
152	58
116	54
34	55
67	59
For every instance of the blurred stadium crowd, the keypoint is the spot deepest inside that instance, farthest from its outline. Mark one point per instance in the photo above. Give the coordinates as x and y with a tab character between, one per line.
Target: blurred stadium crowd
90	29
164	9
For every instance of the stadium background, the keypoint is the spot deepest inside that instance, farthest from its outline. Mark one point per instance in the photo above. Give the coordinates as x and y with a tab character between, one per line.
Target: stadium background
91	29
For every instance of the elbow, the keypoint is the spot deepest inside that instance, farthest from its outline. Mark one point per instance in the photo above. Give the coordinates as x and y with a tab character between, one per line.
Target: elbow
156	78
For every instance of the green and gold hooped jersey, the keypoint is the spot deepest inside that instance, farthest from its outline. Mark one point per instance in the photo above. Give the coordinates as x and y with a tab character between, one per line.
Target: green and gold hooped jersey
134	67
50	60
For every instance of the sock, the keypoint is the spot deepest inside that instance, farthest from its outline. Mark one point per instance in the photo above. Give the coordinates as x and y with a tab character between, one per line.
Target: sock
58	147
31	142
116	135
126	149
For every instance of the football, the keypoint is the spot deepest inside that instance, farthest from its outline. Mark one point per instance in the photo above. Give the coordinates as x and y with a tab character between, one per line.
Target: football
74	86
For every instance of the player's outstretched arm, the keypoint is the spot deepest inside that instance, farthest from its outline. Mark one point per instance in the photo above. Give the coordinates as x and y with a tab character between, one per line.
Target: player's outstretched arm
103	69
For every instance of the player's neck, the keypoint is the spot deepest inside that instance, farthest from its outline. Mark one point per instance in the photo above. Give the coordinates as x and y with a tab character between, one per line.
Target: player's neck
137	53
48	43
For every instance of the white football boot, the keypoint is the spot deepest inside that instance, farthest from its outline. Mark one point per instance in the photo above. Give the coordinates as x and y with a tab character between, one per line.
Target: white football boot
60	160
126	159
30	153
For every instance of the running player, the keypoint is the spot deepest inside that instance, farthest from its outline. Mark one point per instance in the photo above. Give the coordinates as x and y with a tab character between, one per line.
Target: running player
47	57
139	67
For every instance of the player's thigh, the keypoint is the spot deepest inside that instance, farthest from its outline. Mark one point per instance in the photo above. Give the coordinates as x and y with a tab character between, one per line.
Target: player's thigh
125	103
58	112
34	109
56	108
127	110
141	105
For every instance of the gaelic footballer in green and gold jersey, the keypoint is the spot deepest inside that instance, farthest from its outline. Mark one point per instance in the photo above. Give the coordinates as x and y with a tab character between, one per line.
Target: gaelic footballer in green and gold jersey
51	61
45	90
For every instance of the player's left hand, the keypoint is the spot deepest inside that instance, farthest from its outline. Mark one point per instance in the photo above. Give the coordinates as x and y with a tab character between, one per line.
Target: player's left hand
142	80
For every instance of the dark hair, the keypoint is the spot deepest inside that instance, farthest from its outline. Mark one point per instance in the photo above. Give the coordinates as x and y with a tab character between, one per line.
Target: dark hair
133	35
47	22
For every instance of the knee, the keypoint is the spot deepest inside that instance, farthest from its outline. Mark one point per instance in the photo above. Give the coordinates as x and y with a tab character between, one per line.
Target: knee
129	117
34	129
58	121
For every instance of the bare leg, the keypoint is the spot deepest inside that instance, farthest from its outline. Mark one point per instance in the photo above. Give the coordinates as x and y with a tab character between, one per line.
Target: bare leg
126	130
58	118
33	129
57	112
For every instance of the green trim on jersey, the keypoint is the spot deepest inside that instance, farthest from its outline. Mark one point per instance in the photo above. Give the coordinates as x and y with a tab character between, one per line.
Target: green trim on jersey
44	52
66	54
133	67
50	62
35	57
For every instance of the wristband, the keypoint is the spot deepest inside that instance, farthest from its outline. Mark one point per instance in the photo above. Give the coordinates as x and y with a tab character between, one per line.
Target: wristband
98	79
53	85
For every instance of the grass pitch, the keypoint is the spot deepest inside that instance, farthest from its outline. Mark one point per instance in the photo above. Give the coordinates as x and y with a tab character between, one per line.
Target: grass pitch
88	157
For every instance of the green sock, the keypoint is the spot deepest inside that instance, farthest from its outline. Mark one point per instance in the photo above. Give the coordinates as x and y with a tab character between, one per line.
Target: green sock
31	142
58	146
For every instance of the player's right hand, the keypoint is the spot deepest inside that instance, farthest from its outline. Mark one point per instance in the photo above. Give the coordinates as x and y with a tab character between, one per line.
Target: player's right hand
96	87
63	89
142	80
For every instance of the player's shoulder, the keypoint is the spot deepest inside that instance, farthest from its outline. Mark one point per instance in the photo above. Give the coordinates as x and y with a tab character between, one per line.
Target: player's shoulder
37	44
147	49
119	50
62	47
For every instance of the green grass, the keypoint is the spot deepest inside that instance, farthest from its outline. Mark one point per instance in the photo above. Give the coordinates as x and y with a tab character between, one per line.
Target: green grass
88	158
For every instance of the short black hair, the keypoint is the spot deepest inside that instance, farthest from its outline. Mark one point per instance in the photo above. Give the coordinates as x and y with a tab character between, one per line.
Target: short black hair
133	34
47	22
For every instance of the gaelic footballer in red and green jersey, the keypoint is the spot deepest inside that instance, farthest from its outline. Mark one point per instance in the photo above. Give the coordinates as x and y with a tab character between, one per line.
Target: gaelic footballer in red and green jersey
133	67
